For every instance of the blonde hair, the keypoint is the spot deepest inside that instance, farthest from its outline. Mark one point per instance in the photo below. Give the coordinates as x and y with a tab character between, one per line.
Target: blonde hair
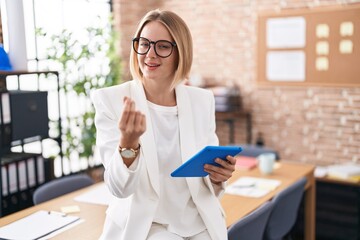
181	35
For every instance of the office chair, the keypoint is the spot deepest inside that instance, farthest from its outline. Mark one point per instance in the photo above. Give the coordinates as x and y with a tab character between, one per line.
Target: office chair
250	150
252	226
60	187
284	213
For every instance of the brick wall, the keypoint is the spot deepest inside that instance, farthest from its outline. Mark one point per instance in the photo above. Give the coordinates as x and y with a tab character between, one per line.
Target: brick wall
308	124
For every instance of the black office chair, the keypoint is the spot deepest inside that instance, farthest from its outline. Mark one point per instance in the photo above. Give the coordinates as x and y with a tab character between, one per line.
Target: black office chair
61	186
252	226
286	206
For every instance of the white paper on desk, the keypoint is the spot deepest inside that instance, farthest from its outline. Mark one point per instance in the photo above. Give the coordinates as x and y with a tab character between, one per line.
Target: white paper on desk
98	195
36	225
252	187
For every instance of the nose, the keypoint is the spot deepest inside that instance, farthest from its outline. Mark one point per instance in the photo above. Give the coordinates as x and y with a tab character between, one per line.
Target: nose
151	53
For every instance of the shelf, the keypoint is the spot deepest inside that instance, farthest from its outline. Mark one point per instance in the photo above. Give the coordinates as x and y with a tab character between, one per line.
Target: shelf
33	168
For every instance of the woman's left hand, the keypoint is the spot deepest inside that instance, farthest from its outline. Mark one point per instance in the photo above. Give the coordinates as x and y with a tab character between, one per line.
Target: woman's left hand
223	173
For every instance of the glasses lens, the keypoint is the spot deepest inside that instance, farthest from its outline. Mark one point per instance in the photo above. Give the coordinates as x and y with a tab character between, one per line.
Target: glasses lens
141	46
163	48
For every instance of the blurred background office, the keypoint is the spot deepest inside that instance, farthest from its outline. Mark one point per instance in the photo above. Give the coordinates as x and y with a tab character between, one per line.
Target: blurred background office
75	46
312	123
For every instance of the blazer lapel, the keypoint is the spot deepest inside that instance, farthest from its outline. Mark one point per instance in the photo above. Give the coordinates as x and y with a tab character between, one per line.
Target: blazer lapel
187	133
147	142
186	125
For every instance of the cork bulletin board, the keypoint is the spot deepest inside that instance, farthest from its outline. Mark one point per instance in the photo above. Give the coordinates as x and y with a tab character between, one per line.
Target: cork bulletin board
310	47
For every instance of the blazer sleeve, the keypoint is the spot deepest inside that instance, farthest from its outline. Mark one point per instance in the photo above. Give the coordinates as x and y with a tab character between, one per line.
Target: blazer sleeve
120	180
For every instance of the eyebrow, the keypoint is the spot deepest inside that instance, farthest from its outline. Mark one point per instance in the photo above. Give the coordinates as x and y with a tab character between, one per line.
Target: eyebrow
156	40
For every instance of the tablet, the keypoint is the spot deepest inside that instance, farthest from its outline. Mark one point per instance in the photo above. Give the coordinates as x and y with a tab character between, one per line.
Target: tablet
194	167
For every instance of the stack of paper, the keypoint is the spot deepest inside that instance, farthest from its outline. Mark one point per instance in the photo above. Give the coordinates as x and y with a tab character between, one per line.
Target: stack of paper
99	195
36	225
252	187
344	171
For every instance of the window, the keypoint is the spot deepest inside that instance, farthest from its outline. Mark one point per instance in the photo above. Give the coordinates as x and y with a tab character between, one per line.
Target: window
52	17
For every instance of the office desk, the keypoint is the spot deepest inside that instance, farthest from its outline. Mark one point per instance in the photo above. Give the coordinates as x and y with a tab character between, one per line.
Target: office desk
237	207
93	214
234	206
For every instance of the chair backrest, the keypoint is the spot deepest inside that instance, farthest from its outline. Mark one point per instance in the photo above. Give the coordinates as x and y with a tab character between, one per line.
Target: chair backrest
284	214
252	226
60	187
250	150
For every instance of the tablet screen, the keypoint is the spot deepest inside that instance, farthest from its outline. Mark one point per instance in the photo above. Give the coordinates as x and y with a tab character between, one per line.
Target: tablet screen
194	167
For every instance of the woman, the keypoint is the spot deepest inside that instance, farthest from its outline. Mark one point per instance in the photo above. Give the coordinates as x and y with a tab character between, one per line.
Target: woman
146	128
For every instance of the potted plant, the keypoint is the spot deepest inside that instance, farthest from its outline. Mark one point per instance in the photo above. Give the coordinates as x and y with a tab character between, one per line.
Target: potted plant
84	64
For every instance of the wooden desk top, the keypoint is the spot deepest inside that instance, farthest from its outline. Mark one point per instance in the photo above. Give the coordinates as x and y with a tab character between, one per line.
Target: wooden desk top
94	215
288	173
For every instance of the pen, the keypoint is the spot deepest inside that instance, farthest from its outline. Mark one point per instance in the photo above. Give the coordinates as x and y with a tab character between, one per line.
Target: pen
57	213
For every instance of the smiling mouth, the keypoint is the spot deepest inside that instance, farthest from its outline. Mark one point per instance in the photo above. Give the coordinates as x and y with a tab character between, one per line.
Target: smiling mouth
152	65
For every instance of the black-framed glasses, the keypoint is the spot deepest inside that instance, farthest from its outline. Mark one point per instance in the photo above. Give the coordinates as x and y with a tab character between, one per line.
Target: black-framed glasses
163	48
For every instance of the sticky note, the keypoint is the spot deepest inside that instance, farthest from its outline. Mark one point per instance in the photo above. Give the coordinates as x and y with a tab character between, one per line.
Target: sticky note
322	31
322	64
322	48
70	209
346	29
346	46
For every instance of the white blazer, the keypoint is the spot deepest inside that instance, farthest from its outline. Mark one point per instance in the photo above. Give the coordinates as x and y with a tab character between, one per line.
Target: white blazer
136	192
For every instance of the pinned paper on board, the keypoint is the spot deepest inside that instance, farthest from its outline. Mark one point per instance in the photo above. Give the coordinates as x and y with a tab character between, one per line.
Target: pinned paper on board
322	64
285	66
346	29
322	31
322	48
287	32
346	46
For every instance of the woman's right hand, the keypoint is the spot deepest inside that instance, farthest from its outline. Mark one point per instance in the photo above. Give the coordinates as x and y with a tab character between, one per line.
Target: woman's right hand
132	125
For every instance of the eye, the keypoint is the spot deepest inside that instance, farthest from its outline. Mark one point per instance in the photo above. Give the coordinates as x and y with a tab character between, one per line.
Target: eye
163	45
144	44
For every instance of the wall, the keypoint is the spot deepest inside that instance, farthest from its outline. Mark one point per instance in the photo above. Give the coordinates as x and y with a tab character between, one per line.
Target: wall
308	124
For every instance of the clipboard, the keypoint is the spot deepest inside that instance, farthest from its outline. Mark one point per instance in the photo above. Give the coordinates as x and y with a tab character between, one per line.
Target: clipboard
194	167
37	225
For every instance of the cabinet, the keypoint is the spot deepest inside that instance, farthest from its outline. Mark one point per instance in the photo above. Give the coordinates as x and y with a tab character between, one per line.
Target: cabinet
337	210
25	123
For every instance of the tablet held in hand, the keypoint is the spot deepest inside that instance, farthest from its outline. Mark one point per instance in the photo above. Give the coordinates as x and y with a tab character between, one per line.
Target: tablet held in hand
194	167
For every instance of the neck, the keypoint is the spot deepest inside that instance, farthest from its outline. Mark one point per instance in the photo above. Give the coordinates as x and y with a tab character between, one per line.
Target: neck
160	94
